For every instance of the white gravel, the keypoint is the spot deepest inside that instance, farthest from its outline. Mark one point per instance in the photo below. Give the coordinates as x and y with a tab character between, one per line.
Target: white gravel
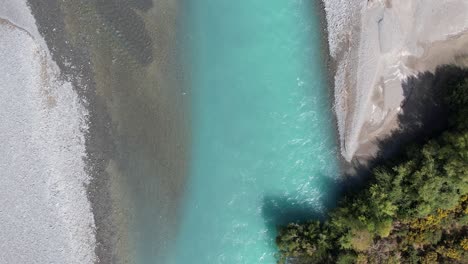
45	216
341	17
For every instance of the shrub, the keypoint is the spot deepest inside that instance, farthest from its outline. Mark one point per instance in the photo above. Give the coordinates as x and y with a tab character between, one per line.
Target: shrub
347	258
430	258
361	240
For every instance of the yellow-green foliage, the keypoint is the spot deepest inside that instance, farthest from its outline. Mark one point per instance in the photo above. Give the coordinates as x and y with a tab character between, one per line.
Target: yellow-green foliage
431	221
361	240
361	259
430	258
464	244
450	252
384	228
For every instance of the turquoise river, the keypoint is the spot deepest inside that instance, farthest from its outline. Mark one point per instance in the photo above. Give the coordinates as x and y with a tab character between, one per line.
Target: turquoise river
263	141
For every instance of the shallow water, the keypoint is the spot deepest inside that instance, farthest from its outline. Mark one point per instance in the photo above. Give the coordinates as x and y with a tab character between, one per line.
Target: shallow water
263	145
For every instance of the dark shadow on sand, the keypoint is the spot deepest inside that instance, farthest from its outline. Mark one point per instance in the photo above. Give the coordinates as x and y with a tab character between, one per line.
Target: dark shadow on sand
425	109
424	116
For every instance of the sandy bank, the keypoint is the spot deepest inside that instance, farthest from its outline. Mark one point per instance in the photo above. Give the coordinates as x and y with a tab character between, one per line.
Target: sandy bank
378	44
45	215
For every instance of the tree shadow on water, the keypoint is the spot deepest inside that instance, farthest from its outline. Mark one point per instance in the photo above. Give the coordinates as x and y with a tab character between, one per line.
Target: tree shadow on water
280	210
423	116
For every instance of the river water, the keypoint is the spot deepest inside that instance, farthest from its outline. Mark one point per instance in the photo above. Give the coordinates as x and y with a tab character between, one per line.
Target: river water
210	121
263	142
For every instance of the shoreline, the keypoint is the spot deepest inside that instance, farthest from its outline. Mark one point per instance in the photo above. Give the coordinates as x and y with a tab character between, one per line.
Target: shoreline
334	55
329	68
330	71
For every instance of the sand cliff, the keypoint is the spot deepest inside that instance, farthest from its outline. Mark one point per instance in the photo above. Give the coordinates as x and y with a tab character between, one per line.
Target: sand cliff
376	45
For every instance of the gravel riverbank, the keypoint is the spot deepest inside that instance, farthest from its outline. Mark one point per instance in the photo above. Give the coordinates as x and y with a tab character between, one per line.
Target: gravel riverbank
46	216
